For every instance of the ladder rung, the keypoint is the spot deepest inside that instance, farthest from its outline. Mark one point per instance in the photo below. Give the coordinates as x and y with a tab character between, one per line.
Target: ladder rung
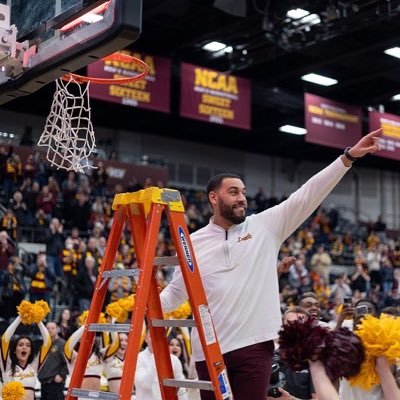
109	327
189	383
93	394
121	272
170	260
190	323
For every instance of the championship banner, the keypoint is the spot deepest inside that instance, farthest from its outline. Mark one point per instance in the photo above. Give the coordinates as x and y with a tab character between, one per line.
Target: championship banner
213	96
390	138
152	92
330	123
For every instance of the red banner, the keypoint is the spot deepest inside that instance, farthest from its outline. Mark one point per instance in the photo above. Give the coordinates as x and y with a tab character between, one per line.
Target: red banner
331	123
152	93
390	139
212	96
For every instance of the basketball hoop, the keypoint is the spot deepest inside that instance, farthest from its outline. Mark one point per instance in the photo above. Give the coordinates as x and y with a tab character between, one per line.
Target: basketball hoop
68	133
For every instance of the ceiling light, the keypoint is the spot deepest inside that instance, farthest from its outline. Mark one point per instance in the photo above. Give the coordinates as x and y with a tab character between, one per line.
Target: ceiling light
319	79
311	19
228	49
297	13
294	130
393	51
214	46
396	97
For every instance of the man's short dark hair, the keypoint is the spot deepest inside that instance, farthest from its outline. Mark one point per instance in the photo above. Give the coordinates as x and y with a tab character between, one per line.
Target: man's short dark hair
216	181
306	295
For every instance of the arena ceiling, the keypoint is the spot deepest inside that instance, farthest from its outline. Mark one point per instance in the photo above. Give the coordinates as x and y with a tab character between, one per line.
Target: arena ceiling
348	44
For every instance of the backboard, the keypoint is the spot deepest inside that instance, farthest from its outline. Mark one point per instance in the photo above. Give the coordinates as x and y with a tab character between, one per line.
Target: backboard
41	40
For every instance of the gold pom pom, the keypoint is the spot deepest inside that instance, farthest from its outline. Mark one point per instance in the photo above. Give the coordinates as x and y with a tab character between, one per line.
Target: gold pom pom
127	302
13	391
114	310
33	313
380	337
83	317
182	312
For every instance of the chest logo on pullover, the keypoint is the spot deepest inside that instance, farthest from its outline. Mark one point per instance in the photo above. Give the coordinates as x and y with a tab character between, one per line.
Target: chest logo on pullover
247	237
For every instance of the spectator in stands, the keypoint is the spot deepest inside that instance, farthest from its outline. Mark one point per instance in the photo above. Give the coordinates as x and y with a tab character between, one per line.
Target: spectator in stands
298	275
19	208
99	179
393	297
46	201
4	156
85	283
361	279
386	274
379	225
374	259
341	289
65	324
42	280
13	174
321	262
7	250
30	192
29	169
80	211
54	246
12	289
261	200
336	251
54	371
9	224
237	258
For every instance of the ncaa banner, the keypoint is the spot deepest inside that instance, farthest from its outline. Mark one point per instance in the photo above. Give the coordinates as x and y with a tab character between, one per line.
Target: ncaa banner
152	92
213	96
390	138
330	123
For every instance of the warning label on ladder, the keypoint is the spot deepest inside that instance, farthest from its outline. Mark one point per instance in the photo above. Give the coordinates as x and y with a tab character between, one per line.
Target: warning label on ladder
207	324
224	385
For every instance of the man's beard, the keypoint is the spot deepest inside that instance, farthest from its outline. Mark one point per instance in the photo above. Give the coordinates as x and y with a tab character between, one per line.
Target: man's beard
227	212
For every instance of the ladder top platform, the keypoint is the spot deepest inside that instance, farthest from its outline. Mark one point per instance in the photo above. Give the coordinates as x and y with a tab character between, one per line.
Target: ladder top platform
148	196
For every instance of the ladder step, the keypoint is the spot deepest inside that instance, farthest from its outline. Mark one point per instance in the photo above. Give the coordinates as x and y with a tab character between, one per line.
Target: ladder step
109	327
189	383
189	323
93	394
120	272
169	260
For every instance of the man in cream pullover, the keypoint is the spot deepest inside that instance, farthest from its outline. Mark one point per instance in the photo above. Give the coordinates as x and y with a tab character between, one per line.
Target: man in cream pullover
236	256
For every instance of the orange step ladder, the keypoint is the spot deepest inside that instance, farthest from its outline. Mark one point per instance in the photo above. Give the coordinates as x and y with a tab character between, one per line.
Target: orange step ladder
144	210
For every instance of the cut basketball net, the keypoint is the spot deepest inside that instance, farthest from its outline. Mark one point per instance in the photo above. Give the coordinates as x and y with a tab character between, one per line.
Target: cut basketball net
68	133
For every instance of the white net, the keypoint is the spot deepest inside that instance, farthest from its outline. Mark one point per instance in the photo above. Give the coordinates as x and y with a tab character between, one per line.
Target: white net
68	133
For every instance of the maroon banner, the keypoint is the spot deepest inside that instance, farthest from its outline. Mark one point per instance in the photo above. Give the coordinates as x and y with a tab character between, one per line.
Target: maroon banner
331	123
152	93
390	139
212	96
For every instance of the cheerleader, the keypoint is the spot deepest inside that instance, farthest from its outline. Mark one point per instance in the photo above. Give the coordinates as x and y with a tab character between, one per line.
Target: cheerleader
18	361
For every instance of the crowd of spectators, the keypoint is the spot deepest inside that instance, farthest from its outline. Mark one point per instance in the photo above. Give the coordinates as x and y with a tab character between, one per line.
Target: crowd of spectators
71	214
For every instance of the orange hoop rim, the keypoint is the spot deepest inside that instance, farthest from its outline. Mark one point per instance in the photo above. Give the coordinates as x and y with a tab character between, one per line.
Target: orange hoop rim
109	81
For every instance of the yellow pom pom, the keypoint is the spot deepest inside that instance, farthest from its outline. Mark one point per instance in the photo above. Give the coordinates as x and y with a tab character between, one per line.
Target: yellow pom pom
115	310
83	317
380	337
43	304
127	302
182	312
13	391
